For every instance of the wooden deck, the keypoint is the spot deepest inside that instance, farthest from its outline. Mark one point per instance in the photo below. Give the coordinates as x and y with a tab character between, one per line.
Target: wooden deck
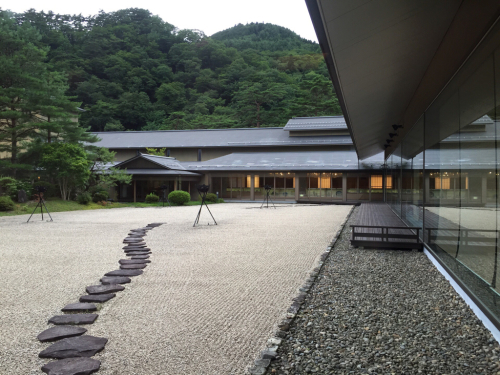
378	226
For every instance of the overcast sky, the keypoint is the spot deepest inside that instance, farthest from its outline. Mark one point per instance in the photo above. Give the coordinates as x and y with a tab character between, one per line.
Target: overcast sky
210	16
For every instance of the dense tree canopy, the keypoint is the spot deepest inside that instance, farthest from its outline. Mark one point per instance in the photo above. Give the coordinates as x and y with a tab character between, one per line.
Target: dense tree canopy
130	70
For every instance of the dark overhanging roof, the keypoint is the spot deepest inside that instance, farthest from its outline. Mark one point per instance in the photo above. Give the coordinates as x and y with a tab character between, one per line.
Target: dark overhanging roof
377	54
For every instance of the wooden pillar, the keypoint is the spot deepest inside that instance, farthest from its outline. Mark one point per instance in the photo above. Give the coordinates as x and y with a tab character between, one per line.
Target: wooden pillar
484	189
296	179
344	186
252	187
135	191
175	183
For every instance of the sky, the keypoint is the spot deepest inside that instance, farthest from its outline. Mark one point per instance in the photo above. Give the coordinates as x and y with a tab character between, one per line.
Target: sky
209	16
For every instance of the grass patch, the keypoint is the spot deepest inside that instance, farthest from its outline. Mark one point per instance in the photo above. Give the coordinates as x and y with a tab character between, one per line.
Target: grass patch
58	205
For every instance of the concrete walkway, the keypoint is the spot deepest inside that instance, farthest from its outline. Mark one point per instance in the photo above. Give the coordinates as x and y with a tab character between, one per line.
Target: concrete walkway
206	304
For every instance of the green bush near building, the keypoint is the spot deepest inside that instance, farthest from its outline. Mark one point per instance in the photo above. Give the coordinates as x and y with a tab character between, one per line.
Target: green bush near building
179	197
84	198
152	198
6	203
211	197
100	196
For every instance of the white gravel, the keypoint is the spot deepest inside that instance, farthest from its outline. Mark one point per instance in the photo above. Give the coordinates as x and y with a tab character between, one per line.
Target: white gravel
206	304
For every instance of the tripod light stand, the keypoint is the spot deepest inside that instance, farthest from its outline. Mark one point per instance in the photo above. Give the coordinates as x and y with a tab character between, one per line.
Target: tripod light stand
164	196
203	191
266	199
41	203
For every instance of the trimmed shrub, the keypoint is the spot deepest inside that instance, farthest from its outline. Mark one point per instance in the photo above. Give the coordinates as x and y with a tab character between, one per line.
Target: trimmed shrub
10	186
100	196
179	197
211	197
152	198
83	198
6	203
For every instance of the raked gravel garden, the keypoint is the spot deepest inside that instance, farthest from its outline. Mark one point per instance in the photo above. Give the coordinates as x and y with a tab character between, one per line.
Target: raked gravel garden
266	291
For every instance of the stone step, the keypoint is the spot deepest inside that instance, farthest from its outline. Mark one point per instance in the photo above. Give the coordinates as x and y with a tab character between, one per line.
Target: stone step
106	280
127	273
73	307
104	289
60	332
100	298
72	366
81	346
73	319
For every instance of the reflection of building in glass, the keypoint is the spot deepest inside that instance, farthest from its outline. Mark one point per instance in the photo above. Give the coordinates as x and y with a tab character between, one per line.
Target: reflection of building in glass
433	88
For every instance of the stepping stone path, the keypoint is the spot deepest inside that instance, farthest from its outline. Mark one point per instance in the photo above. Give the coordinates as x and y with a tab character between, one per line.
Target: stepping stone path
106	280
73	307
125	273
101	298
73	319
132	253
72	366
133	266
81	346
72	347
140	257
134	261
104	289
60	332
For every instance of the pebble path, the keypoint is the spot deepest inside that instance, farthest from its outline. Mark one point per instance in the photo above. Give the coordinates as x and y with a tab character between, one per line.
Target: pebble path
384	312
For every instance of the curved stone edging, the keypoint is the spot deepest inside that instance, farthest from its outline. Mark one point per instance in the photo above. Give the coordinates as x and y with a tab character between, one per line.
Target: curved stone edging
71	346
266	356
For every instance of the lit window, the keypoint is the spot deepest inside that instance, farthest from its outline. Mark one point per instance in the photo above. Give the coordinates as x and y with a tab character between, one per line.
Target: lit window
326	182
442	183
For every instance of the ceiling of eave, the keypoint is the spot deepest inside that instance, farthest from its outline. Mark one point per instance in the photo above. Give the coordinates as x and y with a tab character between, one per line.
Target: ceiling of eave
381	50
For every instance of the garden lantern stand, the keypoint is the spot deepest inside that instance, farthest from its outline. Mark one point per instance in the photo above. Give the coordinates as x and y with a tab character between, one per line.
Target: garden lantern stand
203	191
163	196
41	203
268	189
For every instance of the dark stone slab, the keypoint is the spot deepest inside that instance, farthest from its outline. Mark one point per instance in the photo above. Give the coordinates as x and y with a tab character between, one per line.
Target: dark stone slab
133	266
137	249
60	332
132	253
101	298
72	366
133	261
73	307
104	289
106	280
155	224
81	346
73	319
125	273
134	241
139	256
137	233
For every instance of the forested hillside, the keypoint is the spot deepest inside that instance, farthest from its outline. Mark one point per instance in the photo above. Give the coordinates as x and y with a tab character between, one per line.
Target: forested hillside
132	70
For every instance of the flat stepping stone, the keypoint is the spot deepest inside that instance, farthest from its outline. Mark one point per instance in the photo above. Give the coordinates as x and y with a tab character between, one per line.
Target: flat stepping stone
155	224
132	253
139	256
133	261
106	280
104	289
72	366
60	332
137	249
73	319
81	346
125	273
72	307
100	298
133	266
134	241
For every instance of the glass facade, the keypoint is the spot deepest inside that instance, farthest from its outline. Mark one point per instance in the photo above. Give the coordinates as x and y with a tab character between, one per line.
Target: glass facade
445	175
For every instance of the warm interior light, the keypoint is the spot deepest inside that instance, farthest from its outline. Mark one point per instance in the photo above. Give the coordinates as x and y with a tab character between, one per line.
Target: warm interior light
325	182
442	183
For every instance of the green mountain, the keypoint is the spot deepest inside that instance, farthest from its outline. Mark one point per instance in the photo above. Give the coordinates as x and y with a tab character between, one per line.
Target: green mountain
264	37
132	70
